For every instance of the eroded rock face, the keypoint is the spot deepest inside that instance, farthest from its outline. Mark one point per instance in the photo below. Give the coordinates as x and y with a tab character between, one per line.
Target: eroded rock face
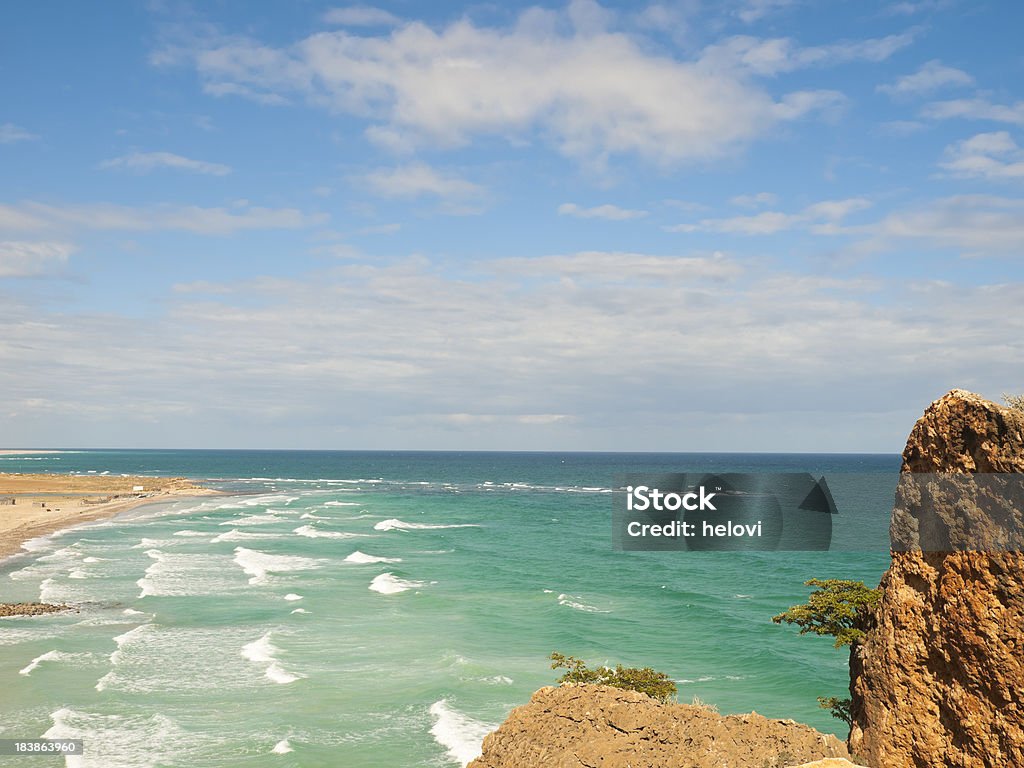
594	725
939	678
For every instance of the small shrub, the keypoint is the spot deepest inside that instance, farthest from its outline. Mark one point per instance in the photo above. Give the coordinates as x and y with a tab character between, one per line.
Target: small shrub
657	685
840	708
837	608
1014	401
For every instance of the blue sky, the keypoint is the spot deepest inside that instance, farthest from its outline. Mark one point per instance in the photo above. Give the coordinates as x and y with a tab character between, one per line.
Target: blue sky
759	225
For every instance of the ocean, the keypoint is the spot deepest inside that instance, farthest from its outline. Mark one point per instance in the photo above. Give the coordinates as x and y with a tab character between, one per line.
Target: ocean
388	609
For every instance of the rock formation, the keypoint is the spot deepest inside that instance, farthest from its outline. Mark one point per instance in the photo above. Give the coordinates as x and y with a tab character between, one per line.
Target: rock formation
31	609
938	679
595	725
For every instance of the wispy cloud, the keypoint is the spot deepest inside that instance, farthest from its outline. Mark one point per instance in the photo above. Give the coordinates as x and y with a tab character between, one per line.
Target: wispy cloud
662	344
821	214
143	162
755	10
932	76
607	211
772	56
755	200
973	224
32	216
416	180
603	266
10	133
32	259
361	16
976	109
994	156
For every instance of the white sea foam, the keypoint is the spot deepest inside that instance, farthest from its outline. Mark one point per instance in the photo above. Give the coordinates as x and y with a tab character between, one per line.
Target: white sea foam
236	535
266	518
361	558
342	504
124	741
77	574
118	656
312	533
260	565
389	584
12	635
189	533
263	651
497	680
96	560
282	747
50	656
576	602
275	673
260	650
460	735
300	610
155	543
176	574
291	596
310	516
400	525
246	502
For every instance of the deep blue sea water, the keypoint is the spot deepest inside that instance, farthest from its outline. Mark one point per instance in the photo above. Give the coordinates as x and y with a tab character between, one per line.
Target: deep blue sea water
389	608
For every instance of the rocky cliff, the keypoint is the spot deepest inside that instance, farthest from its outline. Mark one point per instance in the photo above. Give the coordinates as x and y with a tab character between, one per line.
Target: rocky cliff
594	725
939	677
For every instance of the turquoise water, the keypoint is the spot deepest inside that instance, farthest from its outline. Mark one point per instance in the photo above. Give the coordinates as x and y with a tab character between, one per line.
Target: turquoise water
389	609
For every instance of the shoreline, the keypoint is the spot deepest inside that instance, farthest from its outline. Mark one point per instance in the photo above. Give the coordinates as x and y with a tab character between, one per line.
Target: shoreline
29	518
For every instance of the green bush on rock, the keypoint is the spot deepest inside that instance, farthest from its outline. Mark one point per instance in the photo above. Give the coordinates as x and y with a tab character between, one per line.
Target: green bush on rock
657	685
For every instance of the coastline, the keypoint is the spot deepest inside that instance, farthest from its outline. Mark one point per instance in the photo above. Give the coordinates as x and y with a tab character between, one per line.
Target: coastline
39	511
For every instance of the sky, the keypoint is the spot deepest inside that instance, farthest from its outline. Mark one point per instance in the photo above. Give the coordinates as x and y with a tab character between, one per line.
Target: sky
750	225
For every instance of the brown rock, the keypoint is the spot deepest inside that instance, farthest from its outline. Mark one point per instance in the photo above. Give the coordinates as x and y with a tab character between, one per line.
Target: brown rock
828	762
593	726
938	679
31	609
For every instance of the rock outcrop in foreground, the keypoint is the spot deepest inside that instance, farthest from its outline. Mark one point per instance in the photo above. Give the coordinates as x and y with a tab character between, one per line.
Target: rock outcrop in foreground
591	726
939	678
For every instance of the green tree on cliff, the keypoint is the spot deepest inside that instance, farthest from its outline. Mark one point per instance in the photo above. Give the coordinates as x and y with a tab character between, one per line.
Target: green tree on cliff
837	608
657	685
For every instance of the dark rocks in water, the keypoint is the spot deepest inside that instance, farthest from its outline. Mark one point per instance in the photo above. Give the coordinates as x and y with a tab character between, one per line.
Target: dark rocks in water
33	609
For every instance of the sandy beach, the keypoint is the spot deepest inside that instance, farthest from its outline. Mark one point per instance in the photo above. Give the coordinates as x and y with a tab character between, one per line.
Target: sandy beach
34	505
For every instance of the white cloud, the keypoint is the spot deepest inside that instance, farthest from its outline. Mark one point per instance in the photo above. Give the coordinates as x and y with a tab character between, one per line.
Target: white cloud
932	76
755	200
985	155
816	215
32	259
621	266
755	10
361	16
563	78
615	349
974	224
148	161
976	109
10	133
418	179
33	216
910	8
772	56
901	127
607	211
